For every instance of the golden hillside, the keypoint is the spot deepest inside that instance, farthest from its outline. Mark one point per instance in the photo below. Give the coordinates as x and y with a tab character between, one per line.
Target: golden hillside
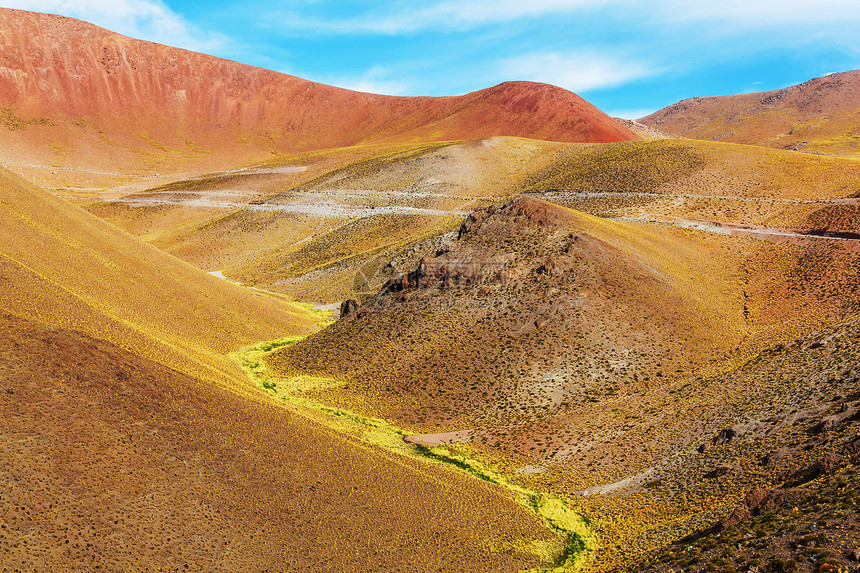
115	462
134	441
67	268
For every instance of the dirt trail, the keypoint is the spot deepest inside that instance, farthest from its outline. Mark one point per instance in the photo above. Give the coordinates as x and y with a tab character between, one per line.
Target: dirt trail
610	194
210	200
737	230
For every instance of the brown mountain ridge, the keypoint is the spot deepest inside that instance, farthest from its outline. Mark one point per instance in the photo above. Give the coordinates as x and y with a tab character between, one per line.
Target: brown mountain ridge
821	115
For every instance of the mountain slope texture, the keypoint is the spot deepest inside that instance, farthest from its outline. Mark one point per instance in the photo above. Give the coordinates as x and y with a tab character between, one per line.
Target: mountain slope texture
64	267
73	94
130	441
821	115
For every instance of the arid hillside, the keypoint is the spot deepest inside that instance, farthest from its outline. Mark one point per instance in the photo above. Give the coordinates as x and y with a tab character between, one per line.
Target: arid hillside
588	356
538	298
91	108
131	440
773	486
326	226
313	235
113	462
818	116
718	186
64	267
564	343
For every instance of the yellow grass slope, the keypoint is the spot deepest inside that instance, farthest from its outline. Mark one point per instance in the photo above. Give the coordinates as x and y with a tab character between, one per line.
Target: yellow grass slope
114	462
64	267
110	349
537	311
706	181
350	213
583	353
318	234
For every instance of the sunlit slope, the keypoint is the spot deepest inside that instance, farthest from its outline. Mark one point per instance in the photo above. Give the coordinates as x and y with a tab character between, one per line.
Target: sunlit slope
183	203
537	311
76	96
757	425
595	356
116	462
64	267
352	212
821	115
706	181
330	225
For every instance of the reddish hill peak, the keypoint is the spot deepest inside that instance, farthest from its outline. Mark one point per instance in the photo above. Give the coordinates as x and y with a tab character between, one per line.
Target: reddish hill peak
828	94
520	89
532	97
545	111
81	93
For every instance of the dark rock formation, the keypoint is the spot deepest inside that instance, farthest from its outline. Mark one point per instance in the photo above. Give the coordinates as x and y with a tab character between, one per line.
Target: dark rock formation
348	307
757	502
848	413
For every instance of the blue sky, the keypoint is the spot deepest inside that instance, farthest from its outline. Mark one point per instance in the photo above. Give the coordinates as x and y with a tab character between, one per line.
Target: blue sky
627	57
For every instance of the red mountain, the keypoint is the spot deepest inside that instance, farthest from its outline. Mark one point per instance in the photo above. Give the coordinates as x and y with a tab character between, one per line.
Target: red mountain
72	93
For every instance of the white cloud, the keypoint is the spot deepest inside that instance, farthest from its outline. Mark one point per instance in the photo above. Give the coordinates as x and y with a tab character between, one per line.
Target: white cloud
143	19
630	113
407	16
376	80
574	71
757	13
459	14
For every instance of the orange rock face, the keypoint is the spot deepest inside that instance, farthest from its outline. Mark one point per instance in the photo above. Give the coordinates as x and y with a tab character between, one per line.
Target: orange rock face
79	90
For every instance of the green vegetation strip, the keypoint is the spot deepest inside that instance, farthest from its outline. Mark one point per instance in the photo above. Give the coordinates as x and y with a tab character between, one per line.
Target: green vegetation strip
575	542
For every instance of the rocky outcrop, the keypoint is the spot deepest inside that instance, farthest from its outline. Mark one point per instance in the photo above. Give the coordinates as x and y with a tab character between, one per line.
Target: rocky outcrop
348	307
519	214
720	471
483	253
848	413
815	470
757	502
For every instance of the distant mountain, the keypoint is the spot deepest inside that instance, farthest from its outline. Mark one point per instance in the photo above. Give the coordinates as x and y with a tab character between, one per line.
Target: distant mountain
72	93
821	115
